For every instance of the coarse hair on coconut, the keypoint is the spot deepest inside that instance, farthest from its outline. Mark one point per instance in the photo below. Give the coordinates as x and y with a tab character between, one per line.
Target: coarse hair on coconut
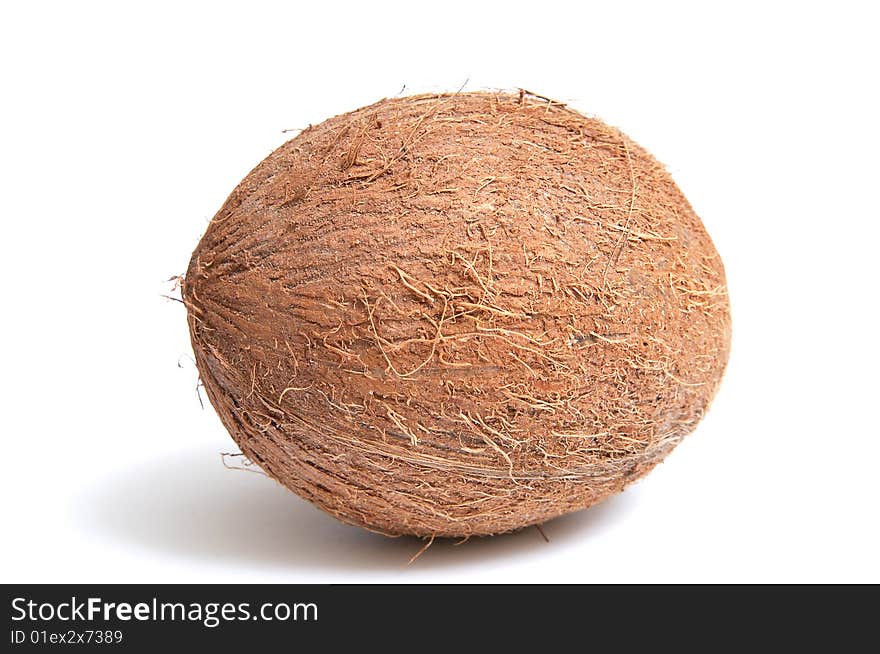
458	314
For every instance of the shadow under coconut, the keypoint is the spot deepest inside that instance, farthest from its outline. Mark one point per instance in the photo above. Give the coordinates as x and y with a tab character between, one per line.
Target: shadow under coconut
193	506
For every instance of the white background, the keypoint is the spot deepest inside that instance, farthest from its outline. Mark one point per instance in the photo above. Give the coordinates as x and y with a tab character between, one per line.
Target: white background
124	129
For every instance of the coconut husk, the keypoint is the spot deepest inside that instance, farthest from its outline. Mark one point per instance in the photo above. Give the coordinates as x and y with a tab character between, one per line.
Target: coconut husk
458	314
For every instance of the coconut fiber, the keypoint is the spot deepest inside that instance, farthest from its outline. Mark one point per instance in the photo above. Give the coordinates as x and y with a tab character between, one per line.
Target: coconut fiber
459	314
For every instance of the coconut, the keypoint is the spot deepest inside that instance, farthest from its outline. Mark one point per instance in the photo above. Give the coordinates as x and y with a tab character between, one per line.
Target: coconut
458	314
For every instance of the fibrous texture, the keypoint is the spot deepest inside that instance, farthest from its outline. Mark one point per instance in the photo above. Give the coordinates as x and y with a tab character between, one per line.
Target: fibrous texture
452	315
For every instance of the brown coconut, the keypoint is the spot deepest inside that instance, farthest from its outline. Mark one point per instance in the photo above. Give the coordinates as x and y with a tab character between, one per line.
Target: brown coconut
462	314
